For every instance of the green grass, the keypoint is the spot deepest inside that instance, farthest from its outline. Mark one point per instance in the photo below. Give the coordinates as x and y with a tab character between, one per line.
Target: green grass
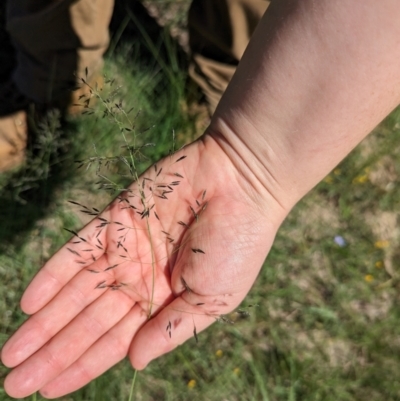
327	323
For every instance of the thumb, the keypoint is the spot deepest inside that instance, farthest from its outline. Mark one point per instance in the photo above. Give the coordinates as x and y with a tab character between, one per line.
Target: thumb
171	327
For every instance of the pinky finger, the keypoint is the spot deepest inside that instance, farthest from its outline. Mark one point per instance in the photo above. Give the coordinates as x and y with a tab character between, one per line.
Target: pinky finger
173	326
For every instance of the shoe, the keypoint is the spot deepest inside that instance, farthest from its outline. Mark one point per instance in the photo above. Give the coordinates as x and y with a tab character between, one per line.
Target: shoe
13	126
13	140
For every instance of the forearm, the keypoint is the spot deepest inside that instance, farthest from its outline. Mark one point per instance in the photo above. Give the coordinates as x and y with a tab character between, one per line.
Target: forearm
316	78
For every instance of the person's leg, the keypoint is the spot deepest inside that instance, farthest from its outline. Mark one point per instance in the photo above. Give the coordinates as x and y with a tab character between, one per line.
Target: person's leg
219	32
55	41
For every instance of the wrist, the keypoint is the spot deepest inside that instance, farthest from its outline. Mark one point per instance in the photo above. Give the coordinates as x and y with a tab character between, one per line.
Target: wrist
250	174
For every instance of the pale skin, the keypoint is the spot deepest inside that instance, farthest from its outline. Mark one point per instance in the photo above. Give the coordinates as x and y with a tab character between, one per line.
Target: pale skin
317	77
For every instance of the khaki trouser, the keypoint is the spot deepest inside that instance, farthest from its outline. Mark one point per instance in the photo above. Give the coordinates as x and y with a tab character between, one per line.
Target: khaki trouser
219	31
56	40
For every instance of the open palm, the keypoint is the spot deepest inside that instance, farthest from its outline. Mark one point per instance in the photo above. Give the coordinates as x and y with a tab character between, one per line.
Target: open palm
166	258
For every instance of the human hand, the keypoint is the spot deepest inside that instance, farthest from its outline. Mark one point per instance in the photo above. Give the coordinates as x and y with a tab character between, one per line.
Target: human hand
141	284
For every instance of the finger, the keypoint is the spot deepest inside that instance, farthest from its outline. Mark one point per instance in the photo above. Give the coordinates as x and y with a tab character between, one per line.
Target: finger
106	352
80	292
68	345
64	265
175	324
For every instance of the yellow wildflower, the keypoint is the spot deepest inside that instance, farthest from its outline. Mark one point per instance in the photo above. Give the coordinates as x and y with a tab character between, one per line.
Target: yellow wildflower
379	264
236	371
381	244
219	353
337	171
328	179
369	278
360	179
191	383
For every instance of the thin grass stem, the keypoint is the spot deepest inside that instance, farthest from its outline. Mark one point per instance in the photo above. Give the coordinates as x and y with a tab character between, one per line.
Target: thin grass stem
132	385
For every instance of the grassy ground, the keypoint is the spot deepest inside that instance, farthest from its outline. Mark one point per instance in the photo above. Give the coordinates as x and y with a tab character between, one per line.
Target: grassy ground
327	323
